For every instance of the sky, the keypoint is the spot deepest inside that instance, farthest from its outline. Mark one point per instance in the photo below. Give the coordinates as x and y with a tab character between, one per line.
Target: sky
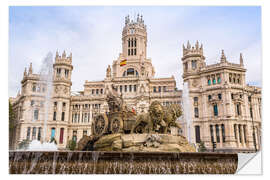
93	35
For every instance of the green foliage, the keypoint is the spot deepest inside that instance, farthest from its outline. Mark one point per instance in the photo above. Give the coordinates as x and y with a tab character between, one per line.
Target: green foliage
202	147
24	144
71	145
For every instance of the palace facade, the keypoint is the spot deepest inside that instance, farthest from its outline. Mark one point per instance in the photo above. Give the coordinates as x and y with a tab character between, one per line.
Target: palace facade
71	113
224	110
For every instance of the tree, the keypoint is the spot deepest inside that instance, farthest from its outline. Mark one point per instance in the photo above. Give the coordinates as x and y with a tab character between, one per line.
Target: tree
12	125
71	145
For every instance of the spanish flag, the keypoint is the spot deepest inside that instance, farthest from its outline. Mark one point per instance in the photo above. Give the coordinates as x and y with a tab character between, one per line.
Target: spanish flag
123	62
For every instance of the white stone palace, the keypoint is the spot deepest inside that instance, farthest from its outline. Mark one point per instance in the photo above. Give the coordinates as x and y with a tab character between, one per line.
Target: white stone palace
223	108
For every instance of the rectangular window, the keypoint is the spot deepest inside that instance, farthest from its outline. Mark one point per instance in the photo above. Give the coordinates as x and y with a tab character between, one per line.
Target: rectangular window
196	112
164	88
194	64
85	133
125	88
245	135
93	91
223	132
235	131
34	88
215	110
36	114
197	132
97	91
209	97
66	73
219	80
32	103
61	138
251	112
74	137
219	96
239	130
39	133
217	134
155	90
120	88
238	109
211	133
135	88
64	104
34	133
135	51
54	115
128	51
130	88
209	81
214	80
55	104
159	88
28	133
63	116
101	91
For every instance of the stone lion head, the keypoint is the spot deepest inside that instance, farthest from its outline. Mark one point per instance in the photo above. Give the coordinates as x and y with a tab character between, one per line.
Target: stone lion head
156	112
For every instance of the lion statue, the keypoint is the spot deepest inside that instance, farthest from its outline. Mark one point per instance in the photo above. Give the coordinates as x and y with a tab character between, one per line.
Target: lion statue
151	121
171	113
159	119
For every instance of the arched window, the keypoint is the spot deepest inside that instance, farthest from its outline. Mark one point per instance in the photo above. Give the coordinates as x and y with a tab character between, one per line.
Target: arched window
135	43
61	137
52	133
132	42
128	42
130	71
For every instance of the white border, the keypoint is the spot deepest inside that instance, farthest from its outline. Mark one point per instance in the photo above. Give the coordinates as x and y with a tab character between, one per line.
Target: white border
4	63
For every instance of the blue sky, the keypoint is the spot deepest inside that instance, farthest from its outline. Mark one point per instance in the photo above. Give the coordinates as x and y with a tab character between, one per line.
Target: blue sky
93	35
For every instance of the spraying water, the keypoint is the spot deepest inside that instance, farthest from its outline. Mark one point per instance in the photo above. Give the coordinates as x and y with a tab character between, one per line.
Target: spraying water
187	113
46	75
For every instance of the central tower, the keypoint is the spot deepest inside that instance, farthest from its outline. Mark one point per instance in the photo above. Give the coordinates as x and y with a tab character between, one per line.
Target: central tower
134	38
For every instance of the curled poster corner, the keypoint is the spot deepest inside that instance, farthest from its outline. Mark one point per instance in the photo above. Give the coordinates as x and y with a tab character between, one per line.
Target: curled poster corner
249	163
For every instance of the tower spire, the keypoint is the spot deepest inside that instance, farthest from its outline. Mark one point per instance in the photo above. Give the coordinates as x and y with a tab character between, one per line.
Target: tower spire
188	45
223	57
241	60
30	71
25	72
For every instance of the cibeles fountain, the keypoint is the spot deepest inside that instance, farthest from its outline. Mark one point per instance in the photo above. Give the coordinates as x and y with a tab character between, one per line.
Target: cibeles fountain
123	142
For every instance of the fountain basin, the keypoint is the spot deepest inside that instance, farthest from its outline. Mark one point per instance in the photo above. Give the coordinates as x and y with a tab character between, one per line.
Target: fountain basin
97	162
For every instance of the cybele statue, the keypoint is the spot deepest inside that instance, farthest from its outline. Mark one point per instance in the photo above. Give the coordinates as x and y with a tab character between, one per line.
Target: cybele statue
121	129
